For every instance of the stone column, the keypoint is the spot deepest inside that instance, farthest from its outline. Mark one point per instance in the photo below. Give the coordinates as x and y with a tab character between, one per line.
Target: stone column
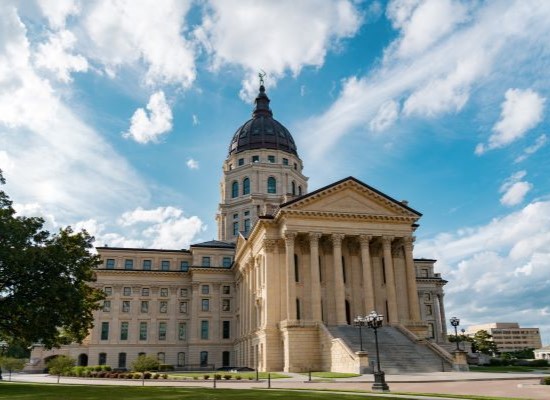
290	278
437	314
195	322
368	286
315	276
412	290
442	314
390	280
339	288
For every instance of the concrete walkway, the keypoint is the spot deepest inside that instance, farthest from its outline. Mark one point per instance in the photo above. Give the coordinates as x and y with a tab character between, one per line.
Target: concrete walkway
521	386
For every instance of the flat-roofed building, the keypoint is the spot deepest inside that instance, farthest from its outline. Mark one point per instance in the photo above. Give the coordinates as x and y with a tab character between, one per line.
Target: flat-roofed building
509	336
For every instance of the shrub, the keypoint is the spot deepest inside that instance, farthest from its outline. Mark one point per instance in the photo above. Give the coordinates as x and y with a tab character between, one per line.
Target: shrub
195	377
166	367
217	377
227	377
137	375
147	375
156	376
106	367
98	368
101	374
79	371
122	376
164	376
238	377
206	376
539	363
545	380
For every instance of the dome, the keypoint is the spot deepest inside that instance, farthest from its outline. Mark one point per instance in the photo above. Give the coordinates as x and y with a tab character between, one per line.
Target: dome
262	131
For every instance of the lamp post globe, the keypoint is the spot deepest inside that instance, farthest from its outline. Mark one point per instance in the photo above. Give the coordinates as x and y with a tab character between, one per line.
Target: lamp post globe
455	322
374	321
360	322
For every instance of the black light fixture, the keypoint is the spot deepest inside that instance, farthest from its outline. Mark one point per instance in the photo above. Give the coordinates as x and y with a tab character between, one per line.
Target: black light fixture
374	321
360	322
455	322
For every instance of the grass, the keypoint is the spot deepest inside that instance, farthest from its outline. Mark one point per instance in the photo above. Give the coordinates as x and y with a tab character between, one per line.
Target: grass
509	368
243	375
24	391
332	375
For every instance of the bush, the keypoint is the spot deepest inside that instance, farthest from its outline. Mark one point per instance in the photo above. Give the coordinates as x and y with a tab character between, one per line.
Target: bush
145	363
156	376
195	378
545	380
105	367
166	367
147	375
164	376
206	376
539	363
79	371
98	368
101	374
137	375
217	377
238	377
227	377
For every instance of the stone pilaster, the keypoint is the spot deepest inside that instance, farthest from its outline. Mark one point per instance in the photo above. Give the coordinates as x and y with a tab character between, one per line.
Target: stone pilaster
368	285
390	280
412	291
339	289
315	276
290	278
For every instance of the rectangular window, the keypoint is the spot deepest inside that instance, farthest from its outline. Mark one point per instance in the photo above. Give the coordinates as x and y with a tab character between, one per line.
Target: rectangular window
163	292
184	266
241	161
271	159
163	307
246	213
106	305
226	305
235	228
128	264
227	262
236	216
104	331
162	330
226	330
165	265
143	330
147	265
122	360
295	166
124	331
182	331
428	309
246	225
205	305
206	261
110	263
183	307
126	306
126	291
108	291
226	289
204	358
285	161
184	292
204	330
205	289
145	292
255	158
102	360
145	307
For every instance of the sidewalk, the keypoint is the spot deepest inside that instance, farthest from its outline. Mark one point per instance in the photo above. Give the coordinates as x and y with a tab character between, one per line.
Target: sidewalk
519	385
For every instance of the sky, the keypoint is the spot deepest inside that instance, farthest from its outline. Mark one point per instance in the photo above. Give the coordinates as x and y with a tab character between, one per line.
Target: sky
116	116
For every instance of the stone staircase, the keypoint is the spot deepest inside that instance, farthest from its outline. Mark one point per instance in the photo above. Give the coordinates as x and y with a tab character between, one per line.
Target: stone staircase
398	353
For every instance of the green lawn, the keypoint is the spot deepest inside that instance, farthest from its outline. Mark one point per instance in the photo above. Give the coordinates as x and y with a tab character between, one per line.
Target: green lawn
244	375
332	375
509	368
23	391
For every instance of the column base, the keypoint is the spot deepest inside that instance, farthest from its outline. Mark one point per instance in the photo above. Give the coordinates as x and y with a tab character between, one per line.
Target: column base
380	384
460	361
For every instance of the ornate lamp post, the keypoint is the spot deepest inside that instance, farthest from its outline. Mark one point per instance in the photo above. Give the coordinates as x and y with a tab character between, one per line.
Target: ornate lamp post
375	321
360	321
455	322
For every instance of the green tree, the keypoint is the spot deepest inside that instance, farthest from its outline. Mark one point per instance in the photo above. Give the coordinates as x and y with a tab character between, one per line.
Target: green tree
145	363
45	294
11	364
482	343
60	365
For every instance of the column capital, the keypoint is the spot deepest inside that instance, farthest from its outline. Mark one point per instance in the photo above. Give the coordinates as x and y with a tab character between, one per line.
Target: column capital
365	240
337	239
408	242
314	237
269	245
289	236
386	240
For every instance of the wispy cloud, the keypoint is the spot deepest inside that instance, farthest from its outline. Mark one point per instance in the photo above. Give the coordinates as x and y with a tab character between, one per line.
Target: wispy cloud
528	151
514	189
149	126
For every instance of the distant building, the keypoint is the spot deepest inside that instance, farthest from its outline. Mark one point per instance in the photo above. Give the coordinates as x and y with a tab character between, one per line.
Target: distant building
542	353
509	336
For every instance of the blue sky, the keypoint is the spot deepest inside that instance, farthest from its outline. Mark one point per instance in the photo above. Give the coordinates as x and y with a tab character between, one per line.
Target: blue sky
115	116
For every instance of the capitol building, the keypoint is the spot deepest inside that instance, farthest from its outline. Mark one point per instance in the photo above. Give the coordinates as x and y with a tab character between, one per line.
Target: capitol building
280	288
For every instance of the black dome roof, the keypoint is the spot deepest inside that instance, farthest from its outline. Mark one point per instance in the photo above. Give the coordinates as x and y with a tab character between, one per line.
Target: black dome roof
262	131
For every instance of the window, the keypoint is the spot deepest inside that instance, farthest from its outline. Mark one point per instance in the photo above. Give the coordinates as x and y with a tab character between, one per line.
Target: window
143	330
235	189
344	269
205	289
293	188
146	265
236	216
425	273
145	291
204	358
384	273
183	307
226	289
298	312
104	331
271	185
204	330
181	359
110	263
184	292
431	331
246	225
182	330
162	330
271	159
108	291
299	190
295	166
126	291
241	161
226	359
255	158
428	309
128	264
124	331
285	161
145	307
226	305
161	357
296	269
106	305
205	305
164	292
102	359
122	360
126	306
206	261
246	186
184	266
163	307
427	297
246	213
235	228
226	262
230	167
165	265
141	354
226	330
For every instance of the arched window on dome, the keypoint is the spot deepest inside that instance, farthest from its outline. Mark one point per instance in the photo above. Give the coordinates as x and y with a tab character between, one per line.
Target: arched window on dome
271	185
235	189
293	188
246	186
299	190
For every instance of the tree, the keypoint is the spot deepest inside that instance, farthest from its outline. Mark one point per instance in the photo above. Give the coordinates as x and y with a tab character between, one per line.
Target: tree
45	292
482	343
145	363
11	364
60	365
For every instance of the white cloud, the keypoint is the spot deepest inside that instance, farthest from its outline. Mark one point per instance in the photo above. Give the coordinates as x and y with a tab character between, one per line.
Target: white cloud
521	111
57	11
242	33
54	55
148	127
528	151
156	215
195	120
192	164
386	116
514	189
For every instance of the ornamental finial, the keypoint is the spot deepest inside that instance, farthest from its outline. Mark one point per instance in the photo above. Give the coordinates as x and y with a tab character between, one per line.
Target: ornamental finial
261	75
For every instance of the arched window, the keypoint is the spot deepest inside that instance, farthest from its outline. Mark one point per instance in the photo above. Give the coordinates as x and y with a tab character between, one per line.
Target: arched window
293	188
246	186
271	185
299	190
234	189
181	359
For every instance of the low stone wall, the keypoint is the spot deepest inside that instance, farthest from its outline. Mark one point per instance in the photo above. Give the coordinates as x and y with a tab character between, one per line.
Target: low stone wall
338	357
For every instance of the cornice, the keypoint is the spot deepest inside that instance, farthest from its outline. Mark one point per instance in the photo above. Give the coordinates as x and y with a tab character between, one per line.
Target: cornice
347	216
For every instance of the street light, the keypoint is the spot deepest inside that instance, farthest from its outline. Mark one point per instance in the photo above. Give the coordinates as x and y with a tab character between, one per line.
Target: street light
360	321
455	322
374	321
